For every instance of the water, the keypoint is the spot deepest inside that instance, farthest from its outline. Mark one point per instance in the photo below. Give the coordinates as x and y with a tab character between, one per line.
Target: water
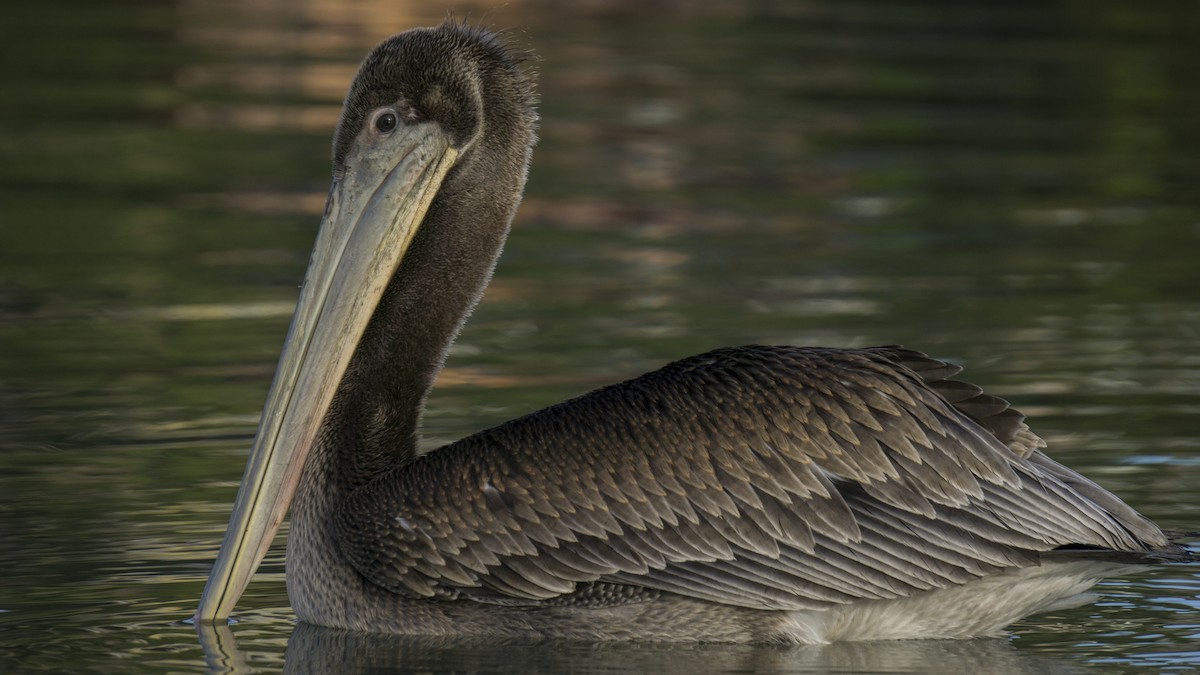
1007	185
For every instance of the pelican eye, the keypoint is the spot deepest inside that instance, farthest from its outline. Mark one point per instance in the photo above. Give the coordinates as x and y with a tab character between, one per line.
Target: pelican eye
386	122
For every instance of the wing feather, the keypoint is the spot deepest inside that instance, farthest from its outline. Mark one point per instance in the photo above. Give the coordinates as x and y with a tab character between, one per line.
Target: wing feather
766	477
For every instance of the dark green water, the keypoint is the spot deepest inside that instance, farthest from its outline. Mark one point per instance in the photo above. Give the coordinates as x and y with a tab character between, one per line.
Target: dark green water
1009	185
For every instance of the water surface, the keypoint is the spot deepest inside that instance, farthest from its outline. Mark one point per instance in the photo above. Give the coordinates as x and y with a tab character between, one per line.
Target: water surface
1010	186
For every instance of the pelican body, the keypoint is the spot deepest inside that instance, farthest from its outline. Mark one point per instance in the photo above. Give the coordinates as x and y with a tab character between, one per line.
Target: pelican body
747	494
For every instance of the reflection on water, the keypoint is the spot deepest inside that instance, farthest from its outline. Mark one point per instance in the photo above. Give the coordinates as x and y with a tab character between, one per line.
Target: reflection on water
313	649
319	650
1009	186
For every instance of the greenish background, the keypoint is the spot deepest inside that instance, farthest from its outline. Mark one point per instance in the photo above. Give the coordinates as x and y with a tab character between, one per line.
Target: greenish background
1007	185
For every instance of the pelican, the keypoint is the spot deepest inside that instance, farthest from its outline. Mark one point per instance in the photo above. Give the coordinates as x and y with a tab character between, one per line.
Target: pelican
750	494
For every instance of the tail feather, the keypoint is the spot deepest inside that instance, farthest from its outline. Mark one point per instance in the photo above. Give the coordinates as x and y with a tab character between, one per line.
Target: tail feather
1171	553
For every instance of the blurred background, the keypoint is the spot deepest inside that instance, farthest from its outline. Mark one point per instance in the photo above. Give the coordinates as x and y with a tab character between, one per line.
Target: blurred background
1011	186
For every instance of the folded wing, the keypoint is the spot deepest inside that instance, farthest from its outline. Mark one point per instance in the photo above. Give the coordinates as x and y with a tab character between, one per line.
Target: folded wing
764	477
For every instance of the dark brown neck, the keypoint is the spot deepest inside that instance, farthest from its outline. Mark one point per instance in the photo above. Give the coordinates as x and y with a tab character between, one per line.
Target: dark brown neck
375	419
373	424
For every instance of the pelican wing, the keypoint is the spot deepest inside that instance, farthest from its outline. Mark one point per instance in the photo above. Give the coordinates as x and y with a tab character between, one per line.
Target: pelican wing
764	477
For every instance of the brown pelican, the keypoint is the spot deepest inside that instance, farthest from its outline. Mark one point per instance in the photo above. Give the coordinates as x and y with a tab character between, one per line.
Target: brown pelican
746	494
